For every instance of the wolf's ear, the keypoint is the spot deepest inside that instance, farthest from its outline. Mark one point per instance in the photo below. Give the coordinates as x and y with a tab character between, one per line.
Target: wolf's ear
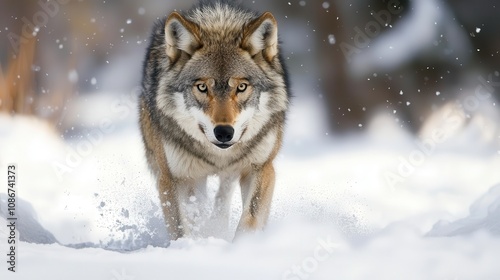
180	35
261	35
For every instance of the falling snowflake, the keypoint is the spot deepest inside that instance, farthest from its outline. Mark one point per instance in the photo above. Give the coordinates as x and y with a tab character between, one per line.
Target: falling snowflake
331	39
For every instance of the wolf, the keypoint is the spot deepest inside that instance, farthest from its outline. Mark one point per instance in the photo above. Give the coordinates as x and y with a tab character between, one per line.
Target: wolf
214	99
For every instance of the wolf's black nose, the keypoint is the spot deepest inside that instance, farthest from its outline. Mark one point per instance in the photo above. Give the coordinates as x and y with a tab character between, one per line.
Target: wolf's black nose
224	133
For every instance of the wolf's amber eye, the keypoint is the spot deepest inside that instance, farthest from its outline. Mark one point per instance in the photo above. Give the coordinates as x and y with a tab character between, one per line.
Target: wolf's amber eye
242	87
202	88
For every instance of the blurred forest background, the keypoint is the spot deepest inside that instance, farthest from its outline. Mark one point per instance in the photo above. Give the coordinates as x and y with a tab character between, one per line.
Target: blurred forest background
403	58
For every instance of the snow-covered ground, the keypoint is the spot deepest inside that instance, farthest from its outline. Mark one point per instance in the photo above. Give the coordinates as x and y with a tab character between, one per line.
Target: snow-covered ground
380	204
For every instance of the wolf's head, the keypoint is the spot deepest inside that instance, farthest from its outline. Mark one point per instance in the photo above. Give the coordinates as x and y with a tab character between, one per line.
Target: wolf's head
224	79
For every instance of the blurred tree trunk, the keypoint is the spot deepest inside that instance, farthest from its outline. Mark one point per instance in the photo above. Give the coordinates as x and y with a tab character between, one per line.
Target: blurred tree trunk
16	85
344	107
23	89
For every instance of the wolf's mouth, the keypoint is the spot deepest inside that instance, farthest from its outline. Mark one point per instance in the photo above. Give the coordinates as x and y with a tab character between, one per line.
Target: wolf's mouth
223	146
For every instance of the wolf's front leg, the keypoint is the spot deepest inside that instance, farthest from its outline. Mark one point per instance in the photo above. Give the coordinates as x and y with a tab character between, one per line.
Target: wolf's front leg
219	221
257	186
184	206
194	210
170	206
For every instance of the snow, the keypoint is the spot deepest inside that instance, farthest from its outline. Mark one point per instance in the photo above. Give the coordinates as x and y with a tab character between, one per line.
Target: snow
88	208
